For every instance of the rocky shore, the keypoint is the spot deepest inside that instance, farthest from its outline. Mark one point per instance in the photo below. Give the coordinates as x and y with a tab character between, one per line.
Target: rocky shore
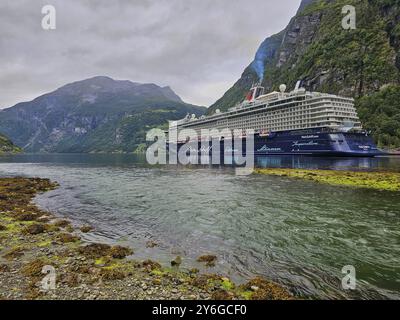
388	181
42	257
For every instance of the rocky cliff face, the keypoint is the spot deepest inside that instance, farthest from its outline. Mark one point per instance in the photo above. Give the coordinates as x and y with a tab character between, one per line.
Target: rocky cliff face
315	49
94	115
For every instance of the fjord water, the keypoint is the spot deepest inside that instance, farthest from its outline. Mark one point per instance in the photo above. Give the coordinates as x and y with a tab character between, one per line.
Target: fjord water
298	233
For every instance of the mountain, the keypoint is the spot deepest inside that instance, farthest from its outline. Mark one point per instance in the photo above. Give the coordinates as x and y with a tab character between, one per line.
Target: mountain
6	146
315	49
94	115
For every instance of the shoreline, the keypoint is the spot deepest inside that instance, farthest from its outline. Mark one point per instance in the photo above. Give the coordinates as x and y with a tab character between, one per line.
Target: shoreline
381	181
32	239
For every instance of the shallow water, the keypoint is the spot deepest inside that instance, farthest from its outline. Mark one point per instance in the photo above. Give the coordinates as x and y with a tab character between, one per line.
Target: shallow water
298	233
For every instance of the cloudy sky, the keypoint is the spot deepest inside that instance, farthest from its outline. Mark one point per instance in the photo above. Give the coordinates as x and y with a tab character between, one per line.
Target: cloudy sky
198	47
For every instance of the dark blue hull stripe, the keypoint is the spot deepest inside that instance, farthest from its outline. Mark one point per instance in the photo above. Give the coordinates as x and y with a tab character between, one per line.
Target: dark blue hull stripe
306	142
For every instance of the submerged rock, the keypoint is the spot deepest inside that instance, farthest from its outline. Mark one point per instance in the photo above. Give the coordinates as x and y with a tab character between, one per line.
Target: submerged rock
176	262
151	244
150	264
86	229
208	259
69	228
62	223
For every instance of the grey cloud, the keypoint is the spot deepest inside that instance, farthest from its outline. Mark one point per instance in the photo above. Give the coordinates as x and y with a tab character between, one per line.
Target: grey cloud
199	48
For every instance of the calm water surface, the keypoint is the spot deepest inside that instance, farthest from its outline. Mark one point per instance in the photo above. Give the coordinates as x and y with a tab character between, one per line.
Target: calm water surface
295	232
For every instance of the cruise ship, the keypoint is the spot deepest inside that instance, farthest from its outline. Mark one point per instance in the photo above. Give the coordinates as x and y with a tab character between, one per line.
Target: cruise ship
288	123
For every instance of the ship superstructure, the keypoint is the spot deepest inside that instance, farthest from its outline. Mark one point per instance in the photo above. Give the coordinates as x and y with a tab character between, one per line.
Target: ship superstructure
280	111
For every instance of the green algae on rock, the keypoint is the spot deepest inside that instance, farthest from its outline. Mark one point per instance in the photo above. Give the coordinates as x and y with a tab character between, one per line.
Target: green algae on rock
119	252
261	289
209	259
86	229
389	181
62	223
177	261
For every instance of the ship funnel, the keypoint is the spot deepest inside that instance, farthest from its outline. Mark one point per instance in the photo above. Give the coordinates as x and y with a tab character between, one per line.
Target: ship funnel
255	91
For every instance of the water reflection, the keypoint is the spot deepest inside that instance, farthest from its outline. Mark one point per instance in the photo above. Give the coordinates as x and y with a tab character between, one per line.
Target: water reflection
304	162
299	162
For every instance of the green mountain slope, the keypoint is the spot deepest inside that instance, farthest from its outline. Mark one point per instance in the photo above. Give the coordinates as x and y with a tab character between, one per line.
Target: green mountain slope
6	146
380	113
316	49
94	115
